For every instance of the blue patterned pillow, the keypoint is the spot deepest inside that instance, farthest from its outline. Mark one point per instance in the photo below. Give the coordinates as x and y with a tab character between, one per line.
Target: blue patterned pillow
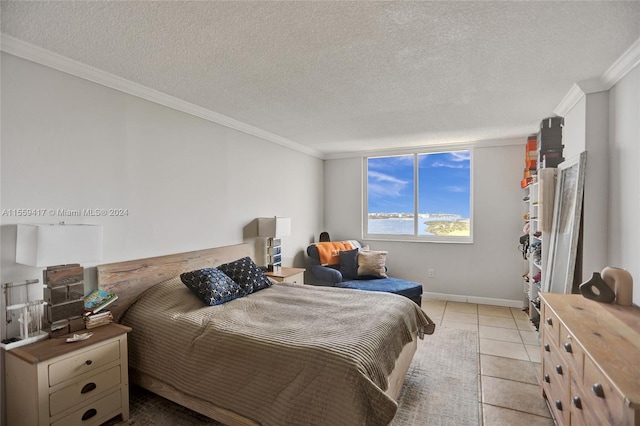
246	273
212	286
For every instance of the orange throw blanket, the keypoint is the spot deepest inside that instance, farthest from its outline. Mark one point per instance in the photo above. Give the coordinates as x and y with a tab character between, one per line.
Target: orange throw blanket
329	251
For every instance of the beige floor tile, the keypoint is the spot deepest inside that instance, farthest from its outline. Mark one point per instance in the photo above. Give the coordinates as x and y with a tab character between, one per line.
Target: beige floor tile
530	337
459	325
518	396
500	333
496	311
496	321
503	349
508	368
460	317
525	325
467	308
519	314
434	302
535	353
537	370
498	416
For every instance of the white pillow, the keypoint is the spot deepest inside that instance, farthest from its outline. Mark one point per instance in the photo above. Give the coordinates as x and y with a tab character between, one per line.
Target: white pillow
372	263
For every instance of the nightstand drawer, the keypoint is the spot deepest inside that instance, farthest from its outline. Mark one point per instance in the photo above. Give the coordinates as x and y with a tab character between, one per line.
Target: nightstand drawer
94	413
83	362
83	390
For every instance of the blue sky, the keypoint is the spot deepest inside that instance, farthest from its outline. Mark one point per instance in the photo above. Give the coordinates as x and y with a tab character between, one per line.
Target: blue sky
444	182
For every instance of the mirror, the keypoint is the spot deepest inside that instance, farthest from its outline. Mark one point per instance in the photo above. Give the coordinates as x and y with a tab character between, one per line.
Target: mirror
565	228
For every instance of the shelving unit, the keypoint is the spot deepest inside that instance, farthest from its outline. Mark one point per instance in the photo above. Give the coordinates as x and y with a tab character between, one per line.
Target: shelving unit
536	255
541	194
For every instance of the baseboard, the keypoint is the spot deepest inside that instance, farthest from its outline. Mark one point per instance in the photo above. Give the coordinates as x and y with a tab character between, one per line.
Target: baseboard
472	299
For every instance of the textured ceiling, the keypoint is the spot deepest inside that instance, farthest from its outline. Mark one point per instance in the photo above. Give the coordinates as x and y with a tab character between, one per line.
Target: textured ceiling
346	76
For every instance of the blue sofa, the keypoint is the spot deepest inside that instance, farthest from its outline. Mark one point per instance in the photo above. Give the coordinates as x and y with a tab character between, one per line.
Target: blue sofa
331	276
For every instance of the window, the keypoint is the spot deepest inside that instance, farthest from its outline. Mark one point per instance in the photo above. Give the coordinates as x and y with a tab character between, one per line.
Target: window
419	197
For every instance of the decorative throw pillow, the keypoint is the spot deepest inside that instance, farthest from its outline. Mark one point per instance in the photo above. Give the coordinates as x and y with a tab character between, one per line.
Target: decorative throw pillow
246	273
372	263
212	286
349	264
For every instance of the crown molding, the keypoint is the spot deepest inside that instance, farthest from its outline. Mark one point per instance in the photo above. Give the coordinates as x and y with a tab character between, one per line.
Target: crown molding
570	100
489	143
53	60
621	67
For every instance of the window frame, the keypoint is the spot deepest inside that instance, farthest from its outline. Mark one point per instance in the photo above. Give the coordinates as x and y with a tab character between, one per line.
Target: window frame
415	237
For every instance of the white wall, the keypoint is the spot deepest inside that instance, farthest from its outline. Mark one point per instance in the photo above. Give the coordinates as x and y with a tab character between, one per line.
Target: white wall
187	183
624	181
487	271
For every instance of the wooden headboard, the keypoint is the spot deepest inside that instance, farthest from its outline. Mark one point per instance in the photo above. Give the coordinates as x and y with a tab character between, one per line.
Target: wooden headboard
130	278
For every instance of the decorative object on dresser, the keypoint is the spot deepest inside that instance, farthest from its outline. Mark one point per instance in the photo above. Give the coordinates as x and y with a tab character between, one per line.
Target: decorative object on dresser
59	247
273	228
53	382
590	353
290	275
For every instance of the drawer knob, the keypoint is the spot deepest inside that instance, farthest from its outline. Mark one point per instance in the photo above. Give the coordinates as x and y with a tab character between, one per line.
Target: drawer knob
598	390
559	404
577	402
88	388
89	413
547	378
559	369
549	321
567	347
88	362
547	348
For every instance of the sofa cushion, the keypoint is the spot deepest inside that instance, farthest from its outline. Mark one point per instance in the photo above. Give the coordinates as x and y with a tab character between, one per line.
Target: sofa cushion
372	264
409	289
349	264
329	251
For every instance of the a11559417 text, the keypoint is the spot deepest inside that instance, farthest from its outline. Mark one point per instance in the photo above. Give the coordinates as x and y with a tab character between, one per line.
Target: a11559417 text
95	212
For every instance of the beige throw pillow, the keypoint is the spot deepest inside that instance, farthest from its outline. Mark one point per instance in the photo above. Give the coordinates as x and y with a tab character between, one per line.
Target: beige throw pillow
372	263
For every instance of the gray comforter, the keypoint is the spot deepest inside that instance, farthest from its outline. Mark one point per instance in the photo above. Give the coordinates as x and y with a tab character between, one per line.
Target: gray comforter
286	355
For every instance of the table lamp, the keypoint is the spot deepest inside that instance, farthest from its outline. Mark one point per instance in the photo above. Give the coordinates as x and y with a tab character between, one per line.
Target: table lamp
61	248
272	228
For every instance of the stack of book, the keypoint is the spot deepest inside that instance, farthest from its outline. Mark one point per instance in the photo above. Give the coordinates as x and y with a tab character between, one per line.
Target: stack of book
94	303
96	320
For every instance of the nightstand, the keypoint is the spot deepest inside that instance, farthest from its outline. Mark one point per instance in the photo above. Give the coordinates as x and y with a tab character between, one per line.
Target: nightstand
52	382
290	275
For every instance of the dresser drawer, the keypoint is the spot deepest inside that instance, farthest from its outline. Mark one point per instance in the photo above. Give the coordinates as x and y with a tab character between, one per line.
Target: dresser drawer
571	350
83	390
581	412
557	397
94	413
557	369
602	397
550	325
83	362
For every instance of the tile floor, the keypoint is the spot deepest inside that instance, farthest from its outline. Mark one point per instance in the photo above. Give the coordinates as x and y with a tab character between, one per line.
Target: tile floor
509	358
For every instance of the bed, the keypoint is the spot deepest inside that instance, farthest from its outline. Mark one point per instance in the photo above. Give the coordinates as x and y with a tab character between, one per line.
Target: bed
288	354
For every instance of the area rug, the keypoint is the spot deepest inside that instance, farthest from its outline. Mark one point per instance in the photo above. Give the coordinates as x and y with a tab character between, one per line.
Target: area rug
441	388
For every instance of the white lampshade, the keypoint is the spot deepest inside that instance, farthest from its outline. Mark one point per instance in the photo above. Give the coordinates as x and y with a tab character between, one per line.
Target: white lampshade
50	245
273	227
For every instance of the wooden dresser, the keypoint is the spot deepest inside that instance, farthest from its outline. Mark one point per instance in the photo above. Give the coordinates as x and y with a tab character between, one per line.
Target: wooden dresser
53	382
590	360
